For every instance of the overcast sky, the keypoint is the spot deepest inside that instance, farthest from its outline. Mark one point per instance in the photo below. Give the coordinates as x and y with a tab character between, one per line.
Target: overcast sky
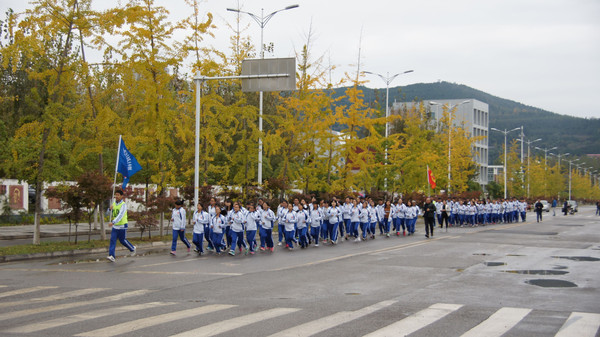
543	53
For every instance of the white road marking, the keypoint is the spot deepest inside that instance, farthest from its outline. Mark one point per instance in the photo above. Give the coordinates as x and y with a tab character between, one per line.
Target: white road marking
237	322
51	298
23	291
498	323
416	321
53	323
37	310
324	323
580	324
142	323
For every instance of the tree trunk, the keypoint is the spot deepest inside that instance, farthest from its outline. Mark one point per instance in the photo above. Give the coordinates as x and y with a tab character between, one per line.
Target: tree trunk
102	226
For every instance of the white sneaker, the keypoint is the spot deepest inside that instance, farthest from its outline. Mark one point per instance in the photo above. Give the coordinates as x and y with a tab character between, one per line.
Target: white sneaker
279	244
110	258
316	245
133	252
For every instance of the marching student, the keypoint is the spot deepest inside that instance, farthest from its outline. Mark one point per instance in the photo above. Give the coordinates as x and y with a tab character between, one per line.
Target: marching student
289	222
119	226
237	220
373	218
438	211
281	211
401	210
266	229
523	210
445	209
201	220
387	209
324	209
226	211
380	210
334	214
252	222
211	212
316	222
347	218
354	221
178	220
363	216
218	223
302	221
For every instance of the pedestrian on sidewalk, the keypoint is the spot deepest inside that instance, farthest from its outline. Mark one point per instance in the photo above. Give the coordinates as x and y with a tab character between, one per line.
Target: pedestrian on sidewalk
119	226
178	220
429	216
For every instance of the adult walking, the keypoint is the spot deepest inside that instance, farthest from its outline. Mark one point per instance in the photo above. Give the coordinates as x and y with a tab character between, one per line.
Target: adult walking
119	226
429	216
539	208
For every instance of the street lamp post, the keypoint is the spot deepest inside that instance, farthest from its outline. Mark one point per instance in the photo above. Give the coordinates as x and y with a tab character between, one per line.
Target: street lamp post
545	165
505	132
559	156
528	142
387	79
450	110
262	21
571	163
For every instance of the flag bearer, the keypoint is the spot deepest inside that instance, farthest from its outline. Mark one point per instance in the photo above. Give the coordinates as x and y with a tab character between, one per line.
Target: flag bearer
119	226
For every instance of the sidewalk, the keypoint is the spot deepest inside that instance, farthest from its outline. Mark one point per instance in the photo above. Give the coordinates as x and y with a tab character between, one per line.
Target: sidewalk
55	230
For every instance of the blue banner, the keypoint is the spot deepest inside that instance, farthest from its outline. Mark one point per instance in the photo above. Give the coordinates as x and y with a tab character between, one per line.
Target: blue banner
128	165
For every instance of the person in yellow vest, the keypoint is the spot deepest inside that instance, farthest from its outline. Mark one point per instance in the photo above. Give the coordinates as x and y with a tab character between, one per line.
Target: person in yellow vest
119	226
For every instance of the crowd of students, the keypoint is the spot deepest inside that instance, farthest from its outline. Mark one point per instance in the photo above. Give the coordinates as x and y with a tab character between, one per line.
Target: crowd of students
234	227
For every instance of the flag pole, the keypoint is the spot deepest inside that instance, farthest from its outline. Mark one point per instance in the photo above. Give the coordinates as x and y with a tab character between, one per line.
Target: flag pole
428	183
115	180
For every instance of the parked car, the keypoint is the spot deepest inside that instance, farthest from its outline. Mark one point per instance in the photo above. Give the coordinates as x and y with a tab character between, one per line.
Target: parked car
572	206
546	207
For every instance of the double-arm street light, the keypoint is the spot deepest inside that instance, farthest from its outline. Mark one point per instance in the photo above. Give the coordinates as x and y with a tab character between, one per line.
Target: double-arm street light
505	132
450	124
546	150
559	156
262	21
387	79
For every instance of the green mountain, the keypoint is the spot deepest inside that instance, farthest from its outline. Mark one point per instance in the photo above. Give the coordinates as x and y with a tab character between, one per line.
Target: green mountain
578	136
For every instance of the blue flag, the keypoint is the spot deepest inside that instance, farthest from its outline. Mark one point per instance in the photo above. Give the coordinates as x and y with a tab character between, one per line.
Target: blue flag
128	165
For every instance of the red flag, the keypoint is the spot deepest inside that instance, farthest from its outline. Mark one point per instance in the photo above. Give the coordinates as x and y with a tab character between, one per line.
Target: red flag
431	178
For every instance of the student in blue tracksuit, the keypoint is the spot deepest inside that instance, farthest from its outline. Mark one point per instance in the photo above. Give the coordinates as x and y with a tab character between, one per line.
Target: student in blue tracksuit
207	234
324	221
289	222
373	218
354	221
266	229
119	226
179	222
252	223
302	222
281	211
237	220
217	228
201	221
363	216
316	222
334	214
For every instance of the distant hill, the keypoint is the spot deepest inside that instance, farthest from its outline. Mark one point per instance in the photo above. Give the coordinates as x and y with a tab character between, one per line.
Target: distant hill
576	135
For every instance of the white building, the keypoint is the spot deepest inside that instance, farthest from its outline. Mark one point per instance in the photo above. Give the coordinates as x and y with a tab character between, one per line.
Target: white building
470	113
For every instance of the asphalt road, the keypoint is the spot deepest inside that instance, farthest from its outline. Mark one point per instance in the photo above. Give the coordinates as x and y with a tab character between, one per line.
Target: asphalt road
467	281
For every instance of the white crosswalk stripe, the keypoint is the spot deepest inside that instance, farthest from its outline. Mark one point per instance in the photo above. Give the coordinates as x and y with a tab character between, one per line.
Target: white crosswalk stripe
24	291
416	321
234	323
580	324
55	297
499	323
51	308
153	321
54	323
331	321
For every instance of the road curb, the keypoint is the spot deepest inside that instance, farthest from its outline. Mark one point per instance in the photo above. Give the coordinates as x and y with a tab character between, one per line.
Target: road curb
79	252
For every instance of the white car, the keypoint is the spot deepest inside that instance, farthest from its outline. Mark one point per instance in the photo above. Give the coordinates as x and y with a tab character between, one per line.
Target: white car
546	207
